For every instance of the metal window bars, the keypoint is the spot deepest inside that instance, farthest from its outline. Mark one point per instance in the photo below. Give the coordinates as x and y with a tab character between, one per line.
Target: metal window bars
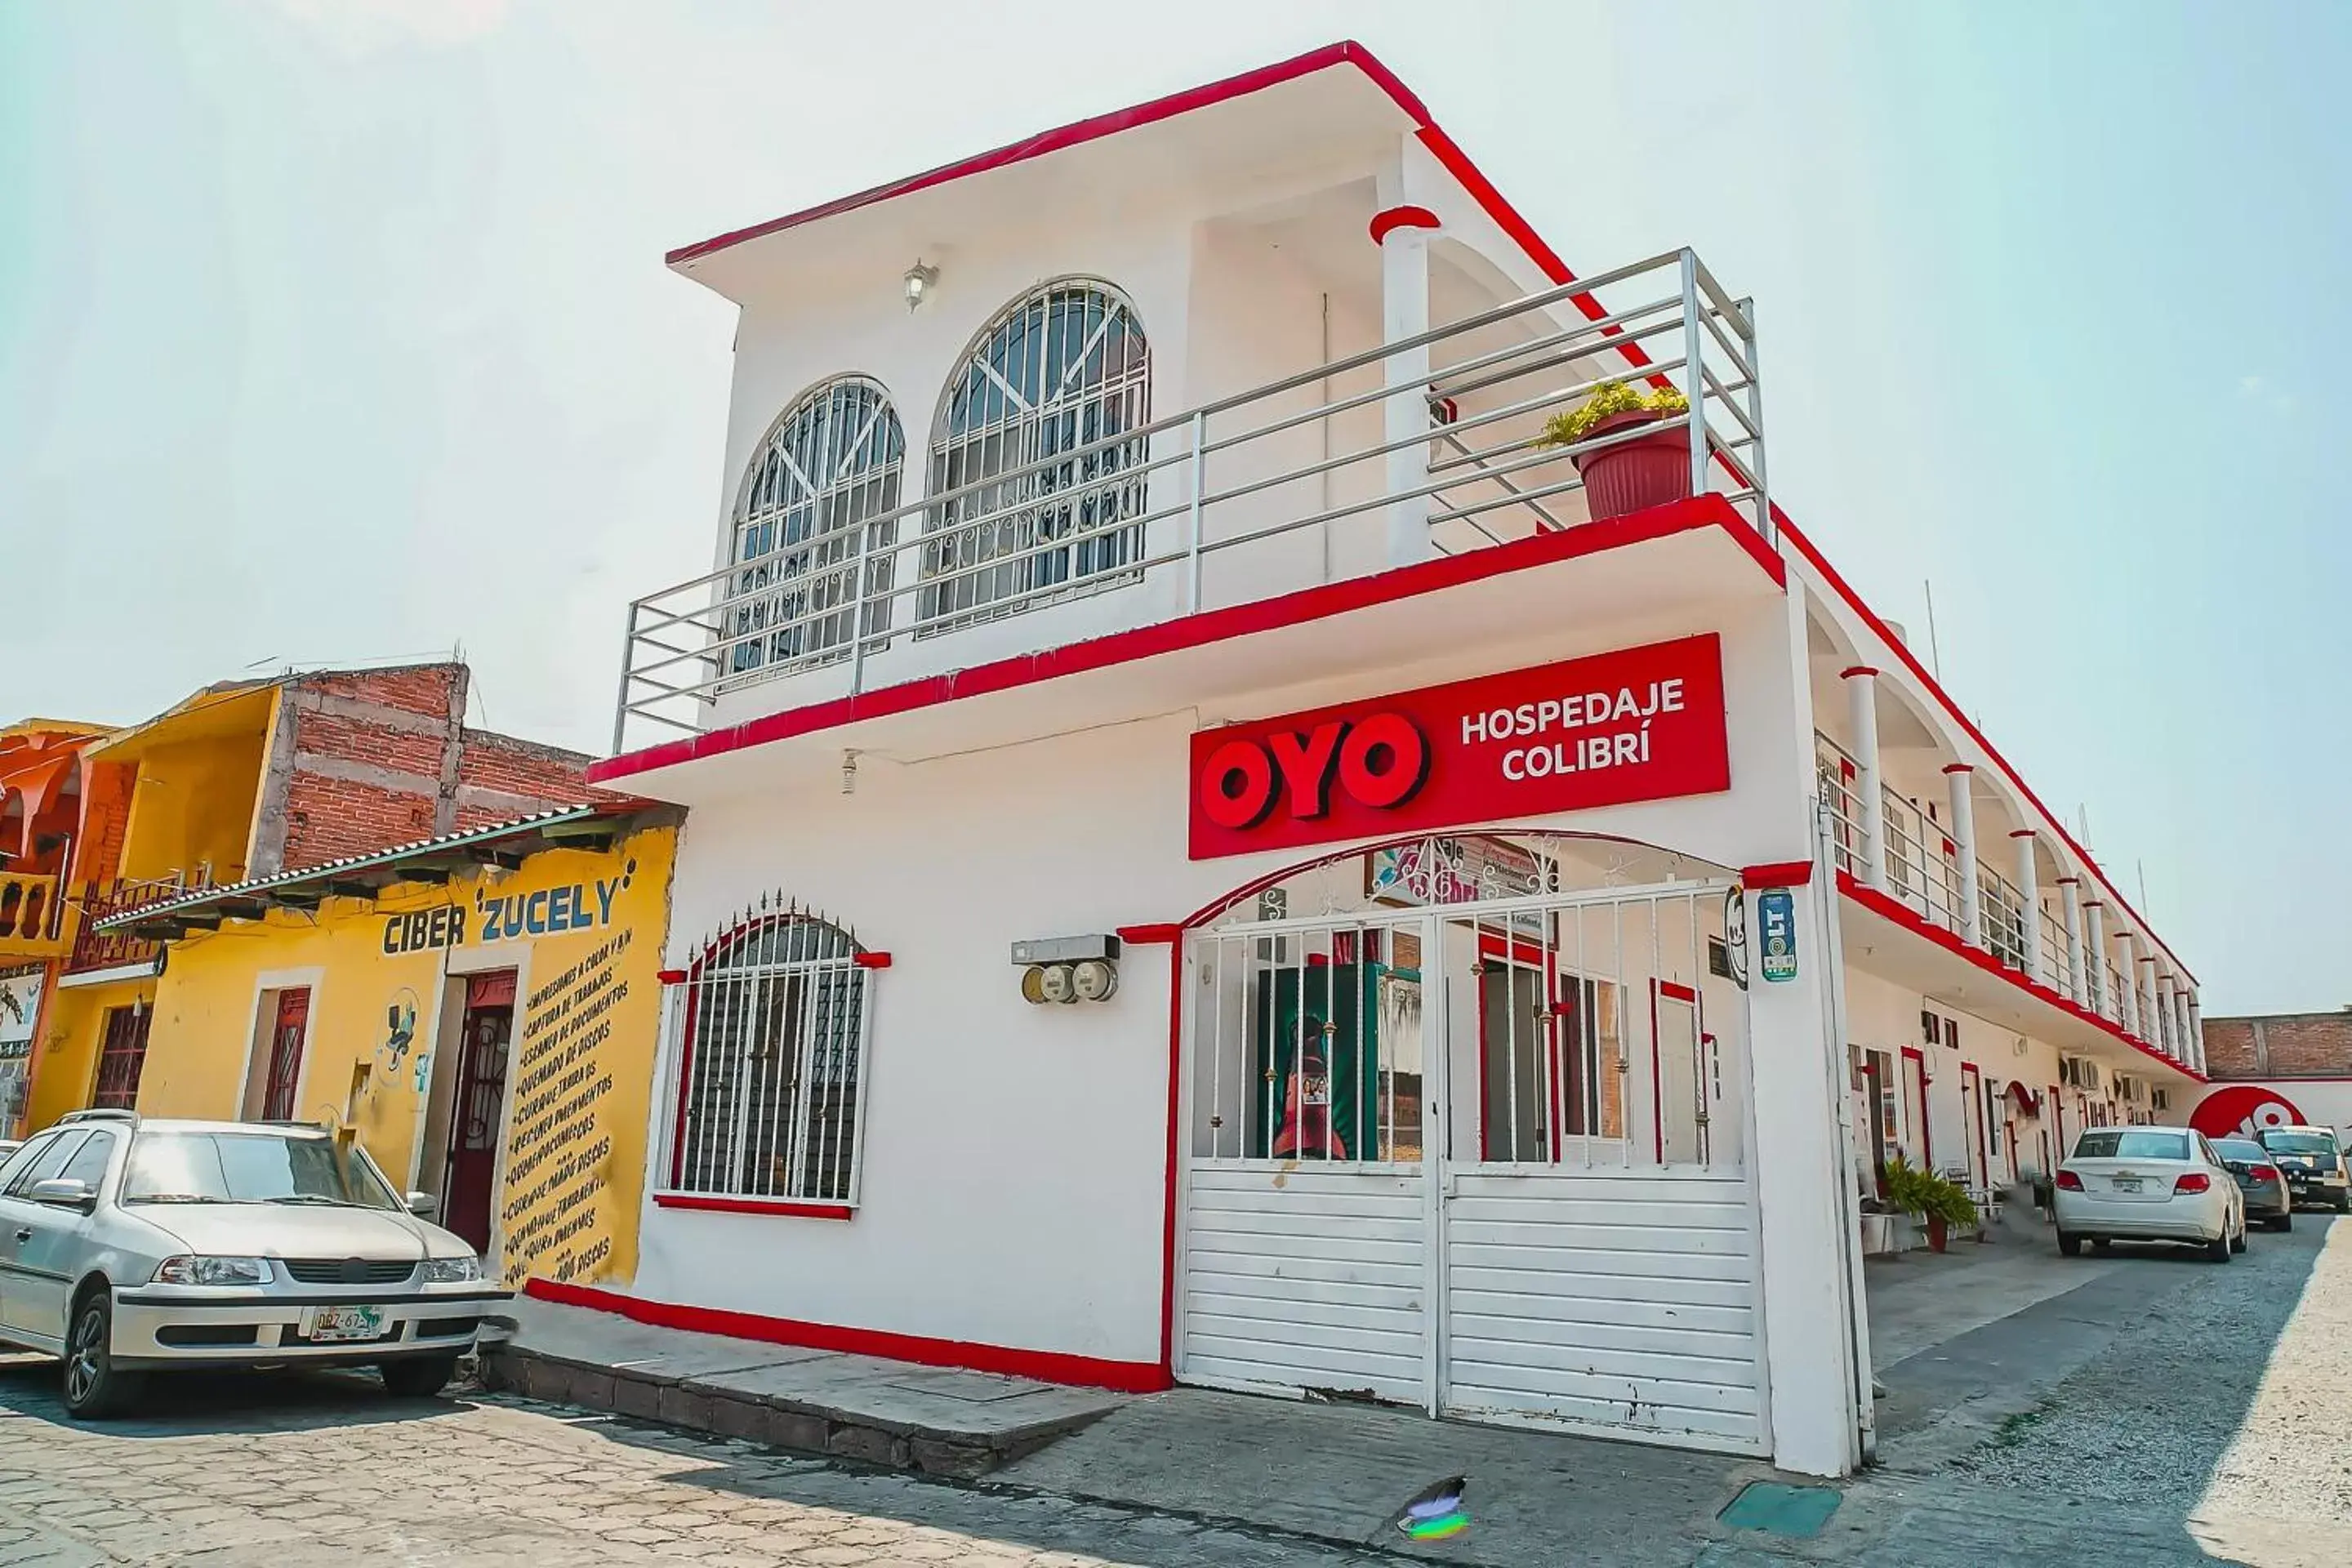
764	1064
831	464
1571	1028
1027	507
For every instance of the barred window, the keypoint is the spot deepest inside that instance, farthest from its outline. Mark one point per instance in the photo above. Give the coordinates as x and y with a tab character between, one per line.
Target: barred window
803	528
1058	372
771	1063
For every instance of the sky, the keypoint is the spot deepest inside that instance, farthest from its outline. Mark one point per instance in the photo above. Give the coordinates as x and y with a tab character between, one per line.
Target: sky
337	331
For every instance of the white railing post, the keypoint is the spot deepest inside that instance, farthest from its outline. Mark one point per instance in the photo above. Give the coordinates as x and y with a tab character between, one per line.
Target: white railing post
2029	898
1964	839
2070	892
1195	520
1402	235
858	605
628	651
1862	713
1695	371
1756	419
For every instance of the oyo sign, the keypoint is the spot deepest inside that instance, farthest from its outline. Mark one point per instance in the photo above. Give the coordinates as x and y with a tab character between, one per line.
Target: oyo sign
1642	723
2242	1109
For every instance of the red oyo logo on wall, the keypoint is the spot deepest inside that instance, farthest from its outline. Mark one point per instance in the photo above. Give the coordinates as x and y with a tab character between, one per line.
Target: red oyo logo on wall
1641	723
2242	1109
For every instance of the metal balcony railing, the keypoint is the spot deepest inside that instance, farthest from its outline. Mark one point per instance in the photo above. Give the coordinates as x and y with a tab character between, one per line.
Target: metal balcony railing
1839	774
94	949
1232	484
1920	868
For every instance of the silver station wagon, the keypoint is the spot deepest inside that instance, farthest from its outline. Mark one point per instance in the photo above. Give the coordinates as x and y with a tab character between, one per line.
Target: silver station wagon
128	1246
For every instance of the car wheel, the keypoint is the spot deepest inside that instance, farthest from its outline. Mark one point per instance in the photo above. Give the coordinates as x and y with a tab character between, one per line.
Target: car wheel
94	1388
2219	1249
2239	1244
2069	1245
418	1377
2283	1222
2344	1203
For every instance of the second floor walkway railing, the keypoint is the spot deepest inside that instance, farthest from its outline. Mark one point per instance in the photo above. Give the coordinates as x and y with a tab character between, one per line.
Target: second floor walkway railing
94	949
1231	485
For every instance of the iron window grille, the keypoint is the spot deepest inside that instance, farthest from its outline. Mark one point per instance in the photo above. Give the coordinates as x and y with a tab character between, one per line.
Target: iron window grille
770	1064
804	550
1060	371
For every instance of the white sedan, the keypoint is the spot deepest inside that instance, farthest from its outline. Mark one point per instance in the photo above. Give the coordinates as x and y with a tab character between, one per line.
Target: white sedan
2148	1184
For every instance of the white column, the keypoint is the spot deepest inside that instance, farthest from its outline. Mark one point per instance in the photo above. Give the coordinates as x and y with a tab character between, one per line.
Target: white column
2151	1007
1403	234
2128	986
2029	893
1964	839
1870	803
2095	961
2196	1033
1816	1338
2070	890
2176	1021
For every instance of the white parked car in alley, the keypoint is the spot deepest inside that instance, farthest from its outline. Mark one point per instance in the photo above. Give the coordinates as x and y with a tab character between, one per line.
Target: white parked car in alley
128	1246
2148	1184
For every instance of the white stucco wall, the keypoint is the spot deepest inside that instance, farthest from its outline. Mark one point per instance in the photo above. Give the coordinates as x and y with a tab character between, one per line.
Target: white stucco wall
1025	1148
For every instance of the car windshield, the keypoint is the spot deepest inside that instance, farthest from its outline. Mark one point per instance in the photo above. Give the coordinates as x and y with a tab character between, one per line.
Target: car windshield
249	1168
2121	1145
2299	1142
2240	1149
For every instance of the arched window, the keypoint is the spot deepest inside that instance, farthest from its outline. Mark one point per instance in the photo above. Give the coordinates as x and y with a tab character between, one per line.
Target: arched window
1058	372
830	464
771	1061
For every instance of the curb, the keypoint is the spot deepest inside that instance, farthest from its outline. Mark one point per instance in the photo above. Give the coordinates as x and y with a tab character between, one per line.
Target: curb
797	1427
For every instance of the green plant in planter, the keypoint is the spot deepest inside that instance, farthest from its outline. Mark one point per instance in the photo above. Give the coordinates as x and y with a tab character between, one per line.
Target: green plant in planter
1610	398
1928	1194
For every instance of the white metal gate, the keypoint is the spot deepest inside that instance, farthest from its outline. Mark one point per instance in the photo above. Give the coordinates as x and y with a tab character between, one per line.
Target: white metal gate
1485	1158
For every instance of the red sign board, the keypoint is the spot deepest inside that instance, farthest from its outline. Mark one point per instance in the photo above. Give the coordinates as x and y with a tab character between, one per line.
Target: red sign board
2242	1109
1641	723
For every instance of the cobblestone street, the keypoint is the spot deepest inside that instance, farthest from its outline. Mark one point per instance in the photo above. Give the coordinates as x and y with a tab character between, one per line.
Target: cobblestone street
327	1471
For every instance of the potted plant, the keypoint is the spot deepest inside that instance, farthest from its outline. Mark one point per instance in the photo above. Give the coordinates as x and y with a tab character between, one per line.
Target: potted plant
1940	1203
1637	472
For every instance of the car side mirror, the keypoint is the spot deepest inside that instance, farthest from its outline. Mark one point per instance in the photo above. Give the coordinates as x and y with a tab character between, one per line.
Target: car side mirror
424	1205
65	1193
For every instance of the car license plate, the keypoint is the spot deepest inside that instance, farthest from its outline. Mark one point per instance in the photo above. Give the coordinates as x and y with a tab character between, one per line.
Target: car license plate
2126	1183
330	1325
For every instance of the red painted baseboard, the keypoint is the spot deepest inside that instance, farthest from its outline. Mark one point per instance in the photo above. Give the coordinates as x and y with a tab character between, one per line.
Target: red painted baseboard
1045	1366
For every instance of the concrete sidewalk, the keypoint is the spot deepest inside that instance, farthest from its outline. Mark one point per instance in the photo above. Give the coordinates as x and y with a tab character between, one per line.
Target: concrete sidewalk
936	1420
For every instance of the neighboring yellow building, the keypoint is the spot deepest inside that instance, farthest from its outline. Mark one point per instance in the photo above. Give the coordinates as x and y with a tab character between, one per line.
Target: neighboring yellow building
482	1008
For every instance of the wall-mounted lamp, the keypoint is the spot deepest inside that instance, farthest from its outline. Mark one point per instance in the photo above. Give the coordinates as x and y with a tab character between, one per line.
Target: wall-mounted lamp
921	280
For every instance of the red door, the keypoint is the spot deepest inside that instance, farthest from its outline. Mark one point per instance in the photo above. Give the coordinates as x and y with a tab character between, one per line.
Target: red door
121	1059
473	1113
284	1056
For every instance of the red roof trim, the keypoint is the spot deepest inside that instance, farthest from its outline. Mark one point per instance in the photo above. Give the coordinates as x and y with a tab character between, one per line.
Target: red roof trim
1935	688
1960	767
1850	672
1902	915
1780	874
1081	131
1213	626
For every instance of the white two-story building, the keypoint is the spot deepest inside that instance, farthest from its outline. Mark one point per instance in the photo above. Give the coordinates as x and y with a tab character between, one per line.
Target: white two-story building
1219	853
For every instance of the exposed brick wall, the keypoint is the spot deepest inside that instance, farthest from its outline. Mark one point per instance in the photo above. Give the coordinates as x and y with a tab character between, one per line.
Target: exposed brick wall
362	760
330	818
2280	1045
105	813
503	765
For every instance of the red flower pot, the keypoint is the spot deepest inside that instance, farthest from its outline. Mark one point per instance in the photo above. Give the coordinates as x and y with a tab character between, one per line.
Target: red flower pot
1647	472
1938	1233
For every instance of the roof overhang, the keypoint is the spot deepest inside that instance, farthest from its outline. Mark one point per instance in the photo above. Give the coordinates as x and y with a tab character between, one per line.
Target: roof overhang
504	844
1217	138
209	715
